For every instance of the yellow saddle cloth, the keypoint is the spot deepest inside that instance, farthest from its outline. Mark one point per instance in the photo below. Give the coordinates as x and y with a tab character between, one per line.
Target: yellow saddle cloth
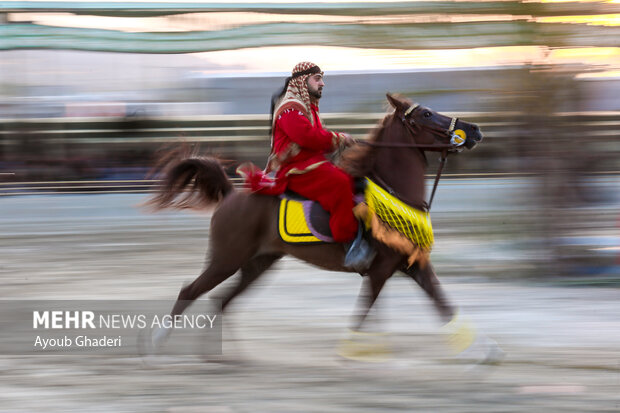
303	222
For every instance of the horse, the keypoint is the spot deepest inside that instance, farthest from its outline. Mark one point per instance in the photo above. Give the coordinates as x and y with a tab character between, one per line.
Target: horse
244	225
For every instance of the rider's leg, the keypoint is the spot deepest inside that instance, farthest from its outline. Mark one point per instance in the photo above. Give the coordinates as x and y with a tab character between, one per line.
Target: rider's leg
359	253
333	189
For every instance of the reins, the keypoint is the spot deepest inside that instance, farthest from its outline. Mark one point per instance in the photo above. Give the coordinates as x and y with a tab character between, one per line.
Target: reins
442	163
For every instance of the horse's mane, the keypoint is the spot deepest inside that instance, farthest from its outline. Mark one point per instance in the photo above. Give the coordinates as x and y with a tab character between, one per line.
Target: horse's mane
359	159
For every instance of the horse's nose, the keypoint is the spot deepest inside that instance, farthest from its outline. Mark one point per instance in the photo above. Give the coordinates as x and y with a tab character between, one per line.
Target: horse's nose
478	136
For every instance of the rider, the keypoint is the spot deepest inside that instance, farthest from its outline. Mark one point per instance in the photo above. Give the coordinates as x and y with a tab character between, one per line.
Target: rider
299	161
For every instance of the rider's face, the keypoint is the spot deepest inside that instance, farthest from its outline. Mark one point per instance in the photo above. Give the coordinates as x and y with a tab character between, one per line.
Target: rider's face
315	86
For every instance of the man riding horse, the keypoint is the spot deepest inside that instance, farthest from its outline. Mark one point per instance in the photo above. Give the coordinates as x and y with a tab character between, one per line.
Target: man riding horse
298	161
245	236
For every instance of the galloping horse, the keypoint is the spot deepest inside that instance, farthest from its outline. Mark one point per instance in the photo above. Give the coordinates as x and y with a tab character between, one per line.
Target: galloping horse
244	225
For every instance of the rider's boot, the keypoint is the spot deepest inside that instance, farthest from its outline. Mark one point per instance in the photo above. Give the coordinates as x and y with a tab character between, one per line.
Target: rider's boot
359	252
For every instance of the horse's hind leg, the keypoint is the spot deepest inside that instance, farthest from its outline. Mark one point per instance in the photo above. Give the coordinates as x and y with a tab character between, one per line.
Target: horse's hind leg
217	272
427	280
250	271
234	241
222	266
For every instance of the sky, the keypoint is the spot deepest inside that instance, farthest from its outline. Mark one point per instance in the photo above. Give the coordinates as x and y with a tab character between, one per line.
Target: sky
281	59
335	59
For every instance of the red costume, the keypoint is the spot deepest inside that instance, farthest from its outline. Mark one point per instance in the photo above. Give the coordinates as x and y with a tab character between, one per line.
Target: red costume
298	158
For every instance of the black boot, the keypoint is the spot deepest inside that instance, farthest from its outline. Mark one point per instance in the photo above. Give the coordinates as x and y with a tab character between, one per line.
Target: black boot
359	253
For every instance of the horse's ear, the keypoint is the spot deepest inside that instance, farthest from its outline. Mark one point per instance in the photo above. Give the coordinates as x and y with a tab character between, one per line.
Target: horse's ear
394	101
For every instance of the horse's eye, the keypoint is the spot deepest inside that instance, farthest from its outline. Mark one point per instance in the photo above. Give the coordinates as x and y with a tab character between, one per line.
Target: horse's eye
427	114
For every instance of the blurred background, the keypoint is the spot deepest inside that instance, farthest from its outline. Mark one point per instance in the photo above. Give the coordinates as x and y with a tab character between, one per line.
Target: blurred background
90	91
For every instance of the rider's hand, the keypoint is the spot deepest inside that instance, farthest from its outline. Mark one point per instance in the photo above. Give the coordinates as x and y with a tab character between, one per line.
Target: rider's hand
347	140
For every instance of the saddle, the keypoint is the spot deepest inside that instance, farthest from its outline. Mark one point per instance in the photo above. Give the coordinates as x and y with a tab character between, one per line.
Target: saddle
302	221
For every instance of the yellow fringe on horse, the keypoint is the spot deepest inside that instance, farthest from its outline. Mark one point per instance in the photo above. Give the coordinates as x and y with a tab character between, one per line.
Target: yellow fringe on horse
396	224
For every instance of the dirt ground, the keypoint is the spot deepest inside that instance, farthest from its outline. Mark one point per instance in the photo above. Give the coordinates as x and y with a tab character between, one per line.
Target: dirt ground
562	344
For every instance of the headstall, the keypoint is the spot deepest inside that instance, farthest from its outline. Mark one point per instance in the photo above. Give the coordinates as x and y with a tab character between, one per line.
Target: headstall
456	142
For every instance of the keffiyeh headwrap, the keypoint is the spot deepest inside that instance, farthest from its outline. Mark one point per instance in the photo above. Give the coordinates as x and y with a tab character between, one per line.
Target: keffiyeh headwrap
293	96
295	92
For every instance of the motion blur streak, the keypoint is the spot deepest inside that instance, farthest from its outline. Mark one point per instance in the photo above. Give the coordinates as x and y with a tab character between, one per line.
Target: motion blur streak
527	225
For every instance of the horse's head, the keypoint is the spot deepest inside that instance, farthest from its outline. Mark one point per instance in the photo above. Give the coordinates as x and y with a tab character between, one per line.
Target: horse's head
433	129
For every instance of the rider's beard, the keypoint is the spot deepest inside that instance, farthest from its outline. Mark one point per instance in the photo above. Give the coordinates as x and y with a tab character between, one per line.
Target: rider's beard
315	94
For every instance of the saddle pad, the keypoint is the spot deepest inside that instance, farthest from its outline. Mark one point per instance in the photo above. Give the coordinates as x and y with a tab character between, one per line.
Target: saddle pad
303	222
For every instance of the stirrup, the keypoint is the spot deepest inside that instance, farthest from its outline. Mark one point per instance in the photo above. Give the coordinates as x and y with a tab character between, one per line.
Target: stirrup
360	253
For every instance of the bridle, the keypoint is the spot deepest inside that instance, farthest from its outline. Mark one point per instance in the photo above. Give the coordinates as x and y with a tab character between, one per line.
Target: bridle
456	142
455	145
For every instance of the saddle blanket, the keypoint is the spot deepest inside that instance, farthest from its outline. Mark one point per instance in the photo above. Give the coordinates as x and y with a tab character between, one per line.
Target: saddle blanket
301	221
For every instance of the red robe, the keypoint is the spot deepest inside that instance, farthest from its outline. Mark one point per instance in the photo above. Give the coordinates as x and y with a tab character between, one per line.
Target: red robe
300	151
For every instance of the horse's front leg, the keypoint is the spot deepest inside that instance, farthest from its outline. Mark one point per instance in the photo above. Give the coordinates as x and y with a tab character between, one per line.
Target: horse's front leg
382	268
363	344
427	280
466	342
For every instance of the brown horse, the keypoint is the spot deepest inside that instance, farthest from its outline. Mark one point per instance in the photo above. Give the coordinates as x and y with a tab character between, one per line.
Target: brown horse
244	225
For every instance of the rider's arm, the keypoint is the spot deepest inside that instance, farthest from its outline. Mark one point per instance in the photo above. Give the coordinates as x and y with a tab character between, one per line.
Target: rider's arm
299	129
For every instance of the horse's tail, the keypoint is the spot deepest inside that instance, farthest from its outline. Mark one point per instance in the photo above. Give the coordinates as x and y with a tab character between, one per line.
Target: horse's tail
190	181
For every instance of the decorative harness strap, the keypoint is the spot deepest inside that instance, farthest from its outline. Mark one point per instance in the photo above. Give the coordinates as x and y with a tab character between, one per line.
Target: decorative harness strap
411	108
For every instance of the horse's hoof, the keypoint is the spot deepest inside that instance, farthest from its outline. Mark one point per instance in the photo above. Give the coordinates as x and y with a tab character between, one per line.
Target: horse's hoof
470	346
483	351
365	347
150	341
494	353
